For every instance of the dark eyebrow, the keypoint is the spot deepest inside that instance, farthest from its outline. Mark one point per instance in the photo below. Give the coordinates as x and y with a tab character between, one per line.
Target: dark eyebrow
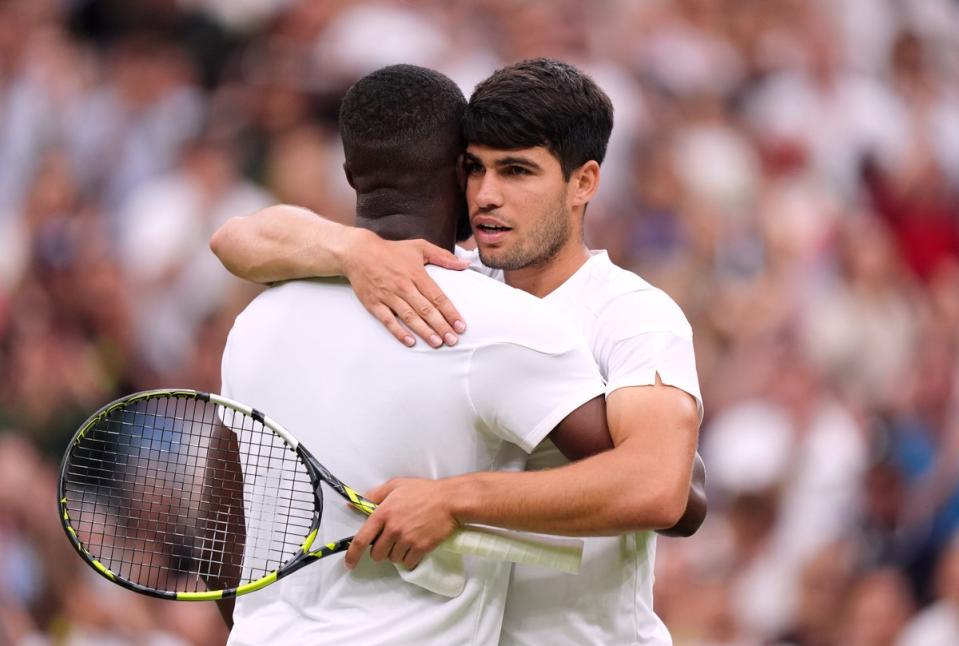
516	161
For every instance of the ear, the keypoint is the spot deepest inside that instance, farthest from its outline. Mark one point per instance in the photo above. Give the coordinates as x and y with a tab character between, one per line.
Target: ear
584	182
349	175
461	172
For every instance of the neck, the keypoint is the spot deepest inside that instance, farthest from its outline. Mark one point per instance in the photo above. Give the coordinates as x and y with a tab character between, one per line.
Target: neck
541	279
393	218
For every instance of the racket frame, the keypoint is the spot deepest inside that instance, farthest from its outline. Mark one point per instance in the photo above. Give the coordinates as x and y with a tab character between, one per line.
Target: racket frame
563	554
317	473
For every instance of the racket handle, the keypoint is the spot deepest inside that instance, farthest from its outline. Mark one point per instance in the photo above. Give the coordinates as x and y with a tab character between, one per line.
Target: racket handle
553	552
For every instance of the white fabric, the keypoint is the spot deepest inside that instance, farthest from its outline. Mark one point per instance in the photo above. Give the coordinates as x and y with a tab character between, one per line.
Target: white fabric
937	625
635	332
440	572
307	354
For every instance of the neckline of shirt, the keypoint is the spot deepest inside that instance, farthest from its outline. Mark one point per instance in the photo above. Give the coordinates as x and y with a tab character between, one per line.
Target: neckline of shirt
596	256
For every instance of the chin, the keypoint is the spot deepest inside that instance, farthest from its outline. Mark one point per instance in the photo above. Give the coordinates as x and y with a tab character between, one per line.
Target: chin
489	257
499	259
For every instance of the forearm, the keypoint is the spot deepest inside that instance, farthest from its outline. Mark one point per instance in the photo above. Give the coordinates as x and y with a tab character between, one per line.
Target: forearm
225	608
696	506
612	493
283	242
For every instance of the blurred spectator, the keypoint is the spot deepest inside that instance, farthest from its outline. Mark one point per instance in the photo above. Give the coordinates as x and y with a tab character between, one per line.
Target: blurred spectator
876	610
824	584
938	625
871	306
167	222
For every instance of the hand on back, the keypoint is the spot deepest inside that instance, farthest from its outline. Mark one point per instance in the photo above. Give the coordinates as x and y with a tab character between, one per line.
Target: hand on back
390	279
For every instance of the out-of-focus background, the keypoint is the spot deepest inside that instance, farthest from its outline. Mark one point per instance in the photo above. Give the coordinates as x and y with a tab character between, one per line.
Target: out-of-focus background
788	170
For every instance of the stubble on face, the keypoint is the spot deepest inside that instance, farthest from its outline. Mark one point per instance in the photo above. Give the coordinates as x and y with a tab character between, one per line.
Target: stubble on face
541	242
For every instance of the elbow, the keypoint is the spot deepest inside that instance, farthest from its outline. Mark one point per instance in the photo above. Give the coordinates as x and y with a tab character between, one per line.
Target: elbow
656	510
227	243
691	521
672	508
220	240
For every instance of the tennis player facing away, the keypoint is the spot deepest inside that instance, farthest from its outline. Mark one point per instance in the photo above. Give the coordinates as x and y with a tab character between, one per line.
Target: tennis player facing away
370	408
537	133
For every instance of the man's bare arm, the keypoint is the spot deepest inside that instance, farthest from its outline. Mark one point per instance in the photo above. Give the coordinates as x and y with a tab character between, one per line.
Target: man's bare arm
581	433
696	506
285	242
584	433
643	483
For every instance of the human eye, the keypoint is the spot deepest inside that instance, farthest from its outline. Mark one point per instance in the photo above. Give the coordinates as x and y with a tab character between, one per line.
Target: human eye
472	168
516	171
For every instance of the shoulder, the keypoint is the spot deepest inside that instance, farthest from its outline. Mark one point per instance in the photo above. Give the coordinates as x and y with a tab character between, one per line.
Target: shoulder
625	305
292	291
498	313
288	299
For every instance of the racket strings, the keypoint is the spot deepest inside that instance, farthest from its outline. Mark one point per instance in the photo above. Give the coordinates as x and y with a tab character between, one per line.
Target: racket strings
162	494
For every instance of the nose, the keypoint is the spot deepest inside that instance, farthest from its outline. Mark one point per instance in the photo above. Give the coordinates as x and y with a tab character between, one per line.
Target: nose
486	192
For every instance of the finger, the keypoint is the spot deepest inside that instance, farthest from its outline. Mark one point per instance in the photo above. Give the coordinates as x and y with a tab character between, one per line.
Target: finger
385	316
430	313
366	535
399	552
407	314
446	313
413	558
440	257
382	546
379	493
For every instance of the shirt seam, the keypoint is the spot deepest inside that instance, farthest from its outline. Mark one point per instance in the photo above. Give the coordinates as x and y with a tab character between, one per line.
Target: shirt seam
551	415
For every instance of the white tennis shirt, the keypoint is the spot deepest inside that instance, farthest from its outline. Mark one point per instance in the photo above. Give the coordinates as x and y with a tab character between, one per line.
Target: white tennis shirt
308	355
634	331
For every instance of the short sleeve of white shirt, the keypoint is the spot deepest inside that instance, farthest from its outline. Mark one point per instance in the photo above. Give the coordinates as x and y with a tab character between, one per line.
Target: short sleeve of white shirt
515	391
636	350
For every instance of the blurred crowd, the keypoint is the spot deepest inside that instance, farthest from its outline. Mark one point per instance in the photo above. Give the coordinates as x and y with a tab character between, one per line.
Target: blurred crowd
787	170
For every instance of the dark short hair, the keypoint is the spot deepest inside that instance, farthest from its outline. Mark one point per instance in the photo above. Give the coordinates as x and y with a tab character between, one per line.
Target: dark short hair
542	102
405	110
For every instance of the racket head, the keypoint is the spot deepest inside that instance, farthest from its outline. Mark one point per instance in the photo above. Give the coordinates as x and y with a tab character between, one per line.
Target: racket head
135	496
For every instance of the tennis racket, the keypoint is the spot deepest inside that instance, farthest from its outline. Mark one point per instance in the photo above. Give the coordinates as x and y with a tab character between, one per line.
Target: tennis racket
186	495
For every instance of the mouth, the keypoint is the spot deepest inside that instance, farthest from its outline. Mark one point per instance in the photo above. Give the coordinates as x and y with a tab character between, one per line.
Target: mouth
492	228
488	233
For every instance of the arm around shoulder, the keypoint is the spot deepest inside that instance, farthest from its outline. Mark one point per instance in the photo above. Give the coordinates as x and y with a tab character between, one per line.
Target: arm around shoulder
283	242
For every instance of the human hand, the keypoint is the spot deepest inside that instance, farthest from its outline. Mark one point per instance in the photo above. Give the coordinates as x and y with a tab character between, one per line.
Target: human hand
413	517
390	280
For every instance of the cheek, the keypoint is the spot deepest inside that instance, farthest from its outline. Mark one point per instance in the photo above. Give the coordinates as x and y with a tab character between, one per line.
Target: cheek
526	200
